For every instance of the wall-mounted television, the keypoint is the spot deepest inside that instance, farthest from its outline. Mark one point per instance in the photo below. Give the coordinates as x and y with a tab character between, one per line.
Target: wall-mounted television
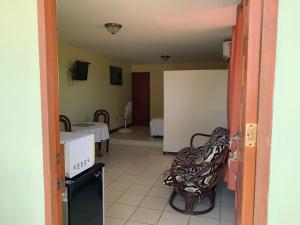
115	75
80	70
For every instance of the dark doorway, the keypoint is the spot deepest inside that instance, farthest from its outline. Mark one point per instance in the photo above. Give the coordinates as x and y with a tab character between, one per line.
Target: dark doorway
141	98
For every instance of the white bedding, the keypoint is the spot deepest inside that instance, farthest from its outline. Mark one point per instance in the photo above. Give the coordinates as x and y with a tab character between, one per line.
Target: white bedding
157	127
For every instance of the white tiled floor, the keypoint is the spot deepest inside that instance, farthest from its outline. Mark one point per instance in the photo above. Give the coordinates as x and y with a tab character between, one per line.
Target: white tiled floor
140	136
135	194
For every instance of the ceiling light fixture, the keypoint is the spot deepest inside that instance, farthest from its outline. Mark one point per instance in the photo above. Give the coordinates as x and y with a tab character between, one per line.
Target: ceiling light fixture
165	57
113	28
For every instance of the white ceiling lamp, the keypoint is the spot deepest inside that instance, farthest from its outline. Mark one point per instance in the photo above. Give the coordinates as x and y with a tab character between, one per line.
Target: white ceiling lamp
113	28
165	57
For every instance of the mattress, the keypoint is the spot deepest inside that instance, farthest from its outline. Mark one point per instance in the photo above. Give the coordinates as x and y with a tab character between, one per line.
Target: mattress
157	127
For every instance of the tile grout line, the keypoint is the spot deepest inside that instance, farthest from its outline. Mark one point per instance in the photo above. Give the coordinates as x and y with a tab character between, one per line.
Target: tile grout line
124	192
162	212
113	202
153	185
190	220
142	201
220	188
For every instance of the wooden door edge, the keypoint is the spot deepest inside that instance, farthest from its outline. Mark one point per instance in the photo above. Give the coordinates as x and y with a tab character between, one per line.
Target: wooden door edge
45	133
49	215
46	11
264	135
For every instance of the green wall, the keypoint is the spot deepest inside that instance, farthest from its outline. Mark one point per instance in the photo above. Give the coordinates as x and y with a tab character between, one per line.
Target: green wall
21	173
284	197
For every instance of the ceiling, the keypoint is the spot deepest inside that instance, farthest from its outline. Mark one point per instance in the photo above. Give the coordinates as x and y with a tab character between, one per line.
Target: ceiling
187	30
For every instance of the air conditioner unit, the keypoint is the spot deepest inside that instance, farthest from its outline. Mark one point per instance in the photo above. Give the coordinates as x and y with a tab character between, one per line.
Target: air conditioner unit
226	49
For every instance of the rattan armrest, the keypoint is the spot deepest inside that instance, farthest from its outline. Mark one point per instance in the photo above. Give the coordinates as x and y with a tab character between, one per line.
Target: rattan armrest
191	165
200	175
174	168
218	164
195	135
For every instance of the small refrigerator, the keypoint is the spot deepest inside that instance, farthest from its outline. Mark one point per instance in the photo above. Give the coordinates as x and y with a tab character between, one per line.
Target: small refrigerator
83	199
79	152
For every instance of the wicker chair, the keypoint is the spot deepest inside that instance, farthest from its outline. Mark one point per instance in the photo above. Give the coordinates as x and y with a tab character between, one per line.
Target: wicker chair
195	172
66	122
106	119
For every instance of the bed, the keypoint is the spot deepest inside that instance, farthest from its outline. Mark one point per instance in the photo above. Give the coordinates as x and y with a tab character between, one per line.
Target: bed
157	127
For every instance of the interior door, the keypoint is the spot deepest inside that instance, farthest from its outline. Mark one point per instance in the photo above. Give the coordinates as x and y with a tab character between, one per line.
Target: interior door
141	98
246	152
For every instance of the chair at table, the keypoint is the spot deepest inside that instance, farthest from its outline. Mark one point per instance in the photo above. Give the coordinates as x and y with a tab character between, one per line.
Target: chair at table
66	122
106	119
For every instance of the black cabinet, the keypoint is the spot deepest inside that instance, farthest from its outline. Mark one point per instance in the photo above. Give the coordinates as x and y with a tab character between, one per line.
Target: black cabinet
83	201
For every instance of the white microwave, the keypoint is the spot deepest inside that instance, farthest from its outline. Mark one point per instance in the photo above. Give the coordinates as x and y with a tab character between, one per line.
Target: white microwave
79	151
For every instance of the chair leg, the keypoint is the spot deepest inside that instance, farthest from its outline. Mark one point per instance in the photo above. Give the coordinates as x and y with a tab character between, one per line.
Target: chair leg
173	195
99	149
107	145
211	198
171	200
190	201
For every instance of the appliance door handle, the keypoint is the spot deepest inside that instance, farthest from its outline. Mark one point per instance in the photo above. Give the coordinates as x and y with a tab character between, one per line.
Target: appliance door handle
97	174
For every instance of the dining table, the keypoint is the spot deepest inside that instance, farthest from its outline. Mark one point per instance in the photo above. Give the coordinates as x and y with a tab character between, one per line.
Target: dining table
100	131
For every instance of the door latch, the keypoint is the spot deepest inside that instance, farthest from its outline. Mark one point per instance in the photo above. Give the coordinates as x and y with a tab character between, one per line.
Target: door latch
60	184
58	158
251	135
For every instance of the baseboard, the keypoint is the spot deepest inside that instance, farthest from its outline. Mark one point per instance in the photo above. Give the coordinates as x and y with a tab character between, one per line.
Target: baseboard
118	128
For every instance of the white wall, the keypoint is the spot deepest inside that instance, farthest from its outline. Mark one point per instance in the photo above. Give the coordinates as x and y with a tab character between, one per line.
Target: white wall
156	79
194	101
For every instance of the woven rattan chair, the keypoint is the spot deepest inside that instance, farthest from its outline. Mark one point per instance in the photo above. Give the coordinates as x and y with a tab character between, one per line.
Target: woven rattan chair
195	172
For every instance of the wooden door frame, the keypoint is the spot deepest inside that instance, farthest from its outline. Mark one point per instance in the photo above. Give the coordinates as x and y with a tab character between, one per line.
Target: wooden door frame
48	55
265	23
265	110
49	96
132	90
250	65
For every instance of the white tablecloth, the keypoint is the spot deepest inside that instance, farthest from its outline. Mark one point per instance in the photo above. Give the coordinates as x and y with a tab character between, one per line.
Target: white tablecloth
71	136
157	127
100	130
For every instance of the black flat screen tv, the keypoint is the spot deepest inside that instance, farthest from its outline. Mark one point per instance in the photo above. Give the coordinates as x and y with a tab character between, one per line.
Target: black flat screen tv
80	70
115	75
